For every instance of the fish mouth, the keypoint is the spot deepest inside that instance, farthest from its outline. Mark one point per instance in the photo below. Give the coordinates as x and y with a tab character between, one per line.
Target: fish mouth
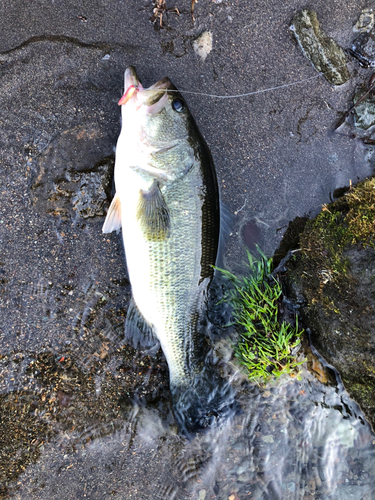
157	91
153	98
132	85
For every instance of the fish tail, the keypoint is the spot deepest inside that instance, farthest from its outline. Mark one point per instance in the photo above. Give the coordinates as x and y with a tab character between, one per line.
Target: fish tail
208	401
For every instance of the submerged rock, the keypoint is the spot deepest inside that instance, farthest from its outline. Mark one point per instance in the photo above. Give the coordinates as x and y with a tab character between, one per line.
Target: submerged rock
324	53
72	175
333	279
364	112
363	49
365	21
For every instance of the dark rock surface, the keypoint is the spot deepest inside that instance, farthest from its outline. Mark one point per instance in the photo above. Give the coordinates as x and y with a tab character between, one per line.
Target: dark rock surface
363	48
333	280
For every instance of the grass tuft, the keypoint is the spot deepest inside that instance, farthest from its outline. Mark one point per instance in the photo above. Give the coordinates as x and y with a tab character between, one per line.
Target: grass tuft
265	347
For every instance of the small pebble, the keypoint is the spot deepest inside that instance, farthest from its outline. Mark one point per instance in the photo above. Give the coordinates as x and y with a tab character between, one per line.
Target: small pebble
244	478
268	439
203	45
202	494
291	486
365	21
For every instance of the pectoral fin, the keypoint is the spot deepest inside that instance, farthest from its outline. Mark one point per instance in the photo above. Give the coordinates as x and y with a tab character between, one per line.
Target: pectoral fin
113	219
152	213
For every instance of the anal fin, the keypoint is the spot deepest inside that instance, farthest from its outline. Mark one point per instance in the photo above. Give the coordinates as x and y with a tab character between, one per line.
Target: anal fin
137	331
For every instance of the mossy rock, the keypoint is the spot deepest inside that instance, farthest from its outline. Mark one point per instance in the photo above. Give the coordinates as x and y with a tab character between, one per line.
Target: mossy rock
334	276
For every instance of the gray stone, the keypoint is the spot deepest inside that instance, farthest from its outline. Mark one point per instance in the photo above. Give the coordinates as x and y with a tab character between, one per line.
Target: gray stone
364	112
291	486
245	477
363	48
202	494
323	52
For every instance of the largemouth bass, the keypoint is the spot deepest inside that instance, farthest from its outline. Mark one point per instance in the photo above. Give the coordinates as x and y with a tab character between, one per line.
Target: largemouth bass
167	202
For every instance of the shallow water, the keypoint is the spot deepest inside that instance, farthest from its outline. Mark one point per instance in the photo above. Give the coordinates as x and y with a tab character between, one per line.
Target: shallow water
294	439
90	417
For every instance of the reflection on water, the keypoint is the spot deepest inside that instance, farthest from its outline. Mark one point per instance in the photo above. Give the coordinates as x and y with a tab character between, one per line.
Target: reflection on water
295	439
252	235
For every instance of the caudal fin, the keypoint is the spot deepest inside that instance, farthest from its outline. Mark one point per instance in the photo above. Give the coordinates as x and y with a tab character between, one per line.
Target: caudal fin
208	402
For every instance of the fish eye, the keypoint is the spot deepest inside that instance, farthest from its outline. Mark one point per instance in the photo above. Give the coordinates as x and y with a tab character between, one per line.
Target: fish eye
178	105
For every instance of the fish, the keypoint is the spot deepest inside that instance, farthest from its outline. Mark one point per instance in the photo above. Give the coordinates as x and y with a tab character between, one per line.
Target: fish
167	204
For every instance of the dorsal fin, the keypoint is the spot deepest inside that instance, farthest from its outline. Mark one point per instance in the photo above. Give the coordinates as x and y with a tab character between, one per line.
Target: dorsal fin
227	222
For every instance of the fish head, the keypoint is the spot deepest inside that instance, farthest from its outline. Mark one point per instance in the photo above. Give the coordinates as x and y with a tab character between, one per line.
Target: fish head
159	111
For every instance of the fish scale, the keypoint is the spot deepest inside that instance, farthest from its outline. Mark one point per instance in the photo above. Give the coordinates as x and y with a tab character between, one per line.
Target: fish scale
175	275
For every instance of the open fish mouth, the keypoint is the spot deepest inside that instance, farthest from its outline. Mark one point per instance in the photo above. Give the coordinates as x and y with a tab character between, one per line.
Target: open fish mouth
157	91
154	97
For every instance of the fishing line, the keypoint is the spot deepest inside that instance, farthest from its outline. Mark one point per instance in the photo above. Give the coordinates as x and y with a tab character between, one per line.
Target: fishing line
216	96
254	92
261	91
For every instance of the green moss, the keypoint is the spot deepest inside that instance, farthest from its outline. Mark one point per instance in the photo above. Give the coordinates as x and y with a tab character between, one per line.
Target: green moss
348	221
324	239
332	272
362	393
361	216
266	347
369	368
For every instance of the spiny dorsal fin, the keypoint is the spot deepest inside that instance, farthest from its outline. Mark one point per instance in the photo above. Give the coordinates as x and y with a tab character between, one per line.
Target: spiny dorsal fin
113	219
227	222
153	214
